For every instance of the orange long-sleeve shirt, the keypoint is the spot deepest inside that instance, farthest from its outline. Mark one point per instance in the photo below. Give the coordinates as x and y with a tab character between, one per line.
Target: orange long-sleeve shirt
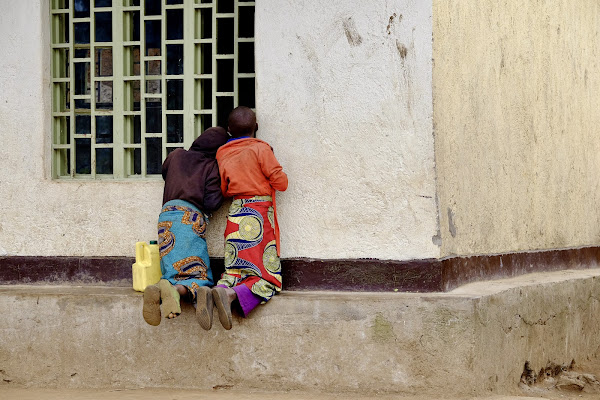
248	167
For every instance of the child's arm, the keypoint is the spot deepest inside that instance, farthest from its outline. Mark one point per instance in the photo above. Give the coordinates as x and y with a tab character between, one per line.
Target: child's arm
272	169
213	197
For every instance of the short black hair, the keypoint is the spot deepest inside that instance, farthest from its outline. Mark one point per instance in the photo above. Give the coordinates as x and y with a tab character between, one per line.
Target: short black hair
241	122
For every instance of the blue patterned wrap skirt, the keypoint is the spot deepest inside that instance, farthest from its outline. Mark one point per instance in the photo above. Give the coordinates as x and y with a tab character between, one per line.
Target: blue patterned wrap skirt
183	252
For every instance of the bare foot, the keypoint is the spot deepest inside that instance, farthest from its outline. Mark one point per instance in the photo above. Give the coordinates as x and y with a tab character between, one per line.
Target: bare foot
170	299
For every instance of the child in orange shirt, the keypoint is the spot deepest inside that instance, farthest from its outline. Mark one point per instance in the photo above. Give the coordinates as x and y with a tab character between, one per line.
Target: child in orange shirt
250	174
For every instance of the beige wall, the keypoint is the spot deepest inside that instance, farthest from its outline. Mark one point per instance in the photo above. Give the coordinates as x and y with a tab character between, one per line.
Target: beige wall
343	94
517	124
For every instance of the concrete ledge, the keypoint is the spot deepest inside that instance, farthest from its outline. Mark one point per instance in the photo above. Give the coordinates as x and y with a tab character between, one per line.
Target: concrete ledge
473	340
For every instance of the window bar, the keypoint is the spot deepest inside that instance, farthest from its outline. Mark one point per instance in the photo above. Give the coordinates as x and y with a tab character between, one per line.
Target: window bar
119	153
72	89
214	64
189	82
163	78
143	90
93	94
236	54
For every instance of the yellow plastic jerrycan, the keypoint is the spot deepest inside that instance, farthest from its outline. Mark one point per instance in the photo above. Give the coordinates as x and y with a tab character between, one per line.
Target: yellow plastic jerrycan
146	270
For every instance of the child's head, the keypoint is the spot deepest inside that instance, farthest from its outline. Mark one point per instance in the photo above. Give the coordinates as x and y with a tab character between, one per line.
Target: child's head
242	122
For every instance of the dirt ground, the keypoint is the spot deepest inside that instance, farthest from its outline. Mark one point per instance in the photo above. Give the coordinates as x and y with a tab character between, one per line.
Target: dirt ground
169	394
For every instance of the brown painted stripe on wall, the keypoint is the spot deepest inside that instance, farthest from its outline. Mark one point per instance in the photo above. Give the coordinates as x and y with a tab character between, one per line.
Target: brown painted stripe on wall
428	275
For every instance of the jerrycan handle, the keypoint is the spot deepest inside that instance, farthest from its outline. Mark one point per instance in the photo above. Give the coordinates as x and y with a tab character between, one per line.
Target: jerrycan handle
139	251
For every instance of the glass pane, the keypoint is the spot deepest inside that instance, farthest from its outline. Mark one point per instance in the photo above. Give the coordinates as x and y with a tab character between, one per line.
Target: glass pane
203	122
204	26
61	97
62	162
205	94
60	4
62	130
174	128
153	86
82	78
103	3
104	95
174	59
153	116
246	22
131	60
174	24
60	28
153	38
104	161
132	96
132	162
152	7
246	92
82	53
174	94
137	161
204	58
104	129
83	104
153	156
83	124
135	34
224	107
132	129
82	8
224	75
137	129
225	6
174	1
137	95
82	32
246	58
104	61
225	36
103	27
83	156
153	67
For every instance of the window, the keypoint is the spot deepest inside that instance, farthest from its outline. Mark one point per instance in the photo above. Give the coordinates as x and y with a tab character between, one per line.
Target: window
132	80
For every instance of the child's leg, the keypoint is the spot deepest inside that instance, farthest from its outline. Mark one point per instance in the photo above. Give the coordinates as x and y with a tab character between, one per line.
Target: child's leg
248	300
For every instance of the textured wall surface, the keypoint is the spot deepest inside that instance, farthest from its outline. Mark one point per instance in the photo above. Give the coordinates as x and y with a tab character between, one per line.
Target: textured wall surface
40	216
516	124
344	96
468	342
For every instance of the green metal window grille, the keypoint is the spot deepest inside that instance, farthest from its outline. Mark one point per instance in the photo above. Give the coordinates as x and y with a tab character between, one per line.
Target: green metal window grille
132	80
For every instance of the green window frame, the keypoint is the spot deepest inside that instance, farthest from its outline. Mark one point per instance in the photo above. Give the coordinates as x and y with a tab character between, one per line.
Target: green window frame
132	80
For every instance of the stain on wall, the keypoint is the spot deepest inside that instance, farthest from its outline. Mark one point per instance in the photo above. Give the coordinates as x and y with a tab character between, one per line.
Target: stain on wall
354	38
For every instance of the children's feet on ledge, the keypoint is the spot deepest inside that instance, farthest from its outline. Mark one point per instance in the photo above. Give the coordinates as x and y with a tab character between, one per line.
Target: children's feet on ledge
151	306
223	297
204	307
170	297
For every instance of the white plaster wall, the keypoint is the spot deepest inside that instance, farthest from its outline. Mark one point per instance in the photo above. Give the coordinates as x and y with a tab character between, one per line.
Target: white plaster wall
39	216
343	94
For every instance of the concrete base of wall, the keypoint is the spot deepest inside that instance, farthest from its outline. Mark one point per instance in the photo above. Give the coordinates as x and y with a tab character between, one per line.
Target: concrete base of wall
470	341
